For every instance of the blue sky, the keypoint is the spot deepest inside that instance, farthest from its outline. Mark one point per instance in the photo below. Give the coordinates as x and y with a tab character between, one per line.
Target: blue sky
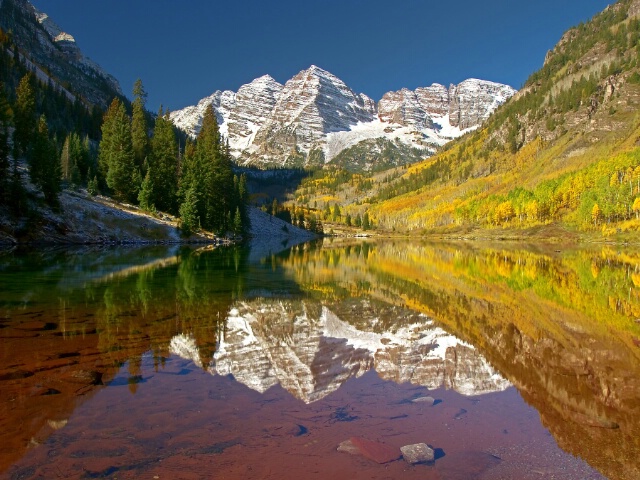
185	50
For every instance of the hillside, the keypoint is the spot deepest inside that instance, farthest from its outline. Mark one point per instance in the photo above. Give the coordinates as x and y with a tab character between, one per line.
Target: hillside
55	56
562	151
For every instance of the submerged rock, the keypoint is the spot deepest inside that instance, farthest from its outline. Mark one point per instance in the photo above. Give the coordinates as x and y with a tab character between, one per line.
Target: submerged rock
376	451
427	400
348	447
417	453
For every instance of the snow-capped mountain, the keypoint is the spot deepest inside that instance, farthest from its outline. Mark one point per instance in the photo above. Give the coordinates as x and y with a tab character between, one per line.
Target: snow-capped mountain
54	55
315	116
310	351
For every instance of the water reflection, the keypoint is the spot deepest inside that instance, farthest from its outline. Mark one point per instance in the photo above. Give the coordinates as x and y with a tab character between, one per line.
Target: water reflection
310	351
562	328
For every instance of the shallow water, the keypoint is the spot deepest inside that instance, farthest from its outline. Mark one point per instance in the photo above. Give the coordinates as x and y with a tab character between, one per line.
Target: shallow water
179	363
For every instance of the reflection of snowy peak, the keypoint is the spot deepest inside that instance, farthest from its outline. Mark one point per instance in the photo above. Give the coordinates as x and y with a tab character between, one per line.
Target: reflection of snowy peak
185	346
315	116
310	352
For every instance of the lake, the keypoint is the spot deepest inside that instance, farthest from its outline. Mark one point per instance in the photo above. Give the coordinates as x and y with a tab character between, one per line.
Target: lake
320	361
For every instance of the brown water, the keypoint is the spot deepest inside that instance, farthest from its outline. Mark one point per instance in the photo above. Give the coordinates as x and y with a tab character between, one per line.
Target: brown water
152	363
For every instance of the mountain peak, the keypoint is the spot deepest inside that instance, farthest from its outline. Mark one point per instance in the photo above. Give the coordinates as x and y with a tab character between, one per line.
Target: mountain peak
315	115
264	80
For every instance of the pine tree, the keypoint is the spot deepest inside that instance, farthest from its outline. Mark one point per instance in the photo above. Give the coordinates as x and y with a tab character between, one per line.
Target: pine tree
93	187
217	175
5	120
164	162
25	119
146	194
44	164
189	218
237	222
74	159
336	212
139	127
116	153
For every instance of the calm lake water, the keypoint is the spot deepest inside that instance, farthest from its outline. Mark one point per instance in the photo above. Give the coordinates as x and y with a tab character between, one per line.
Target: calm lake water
178	363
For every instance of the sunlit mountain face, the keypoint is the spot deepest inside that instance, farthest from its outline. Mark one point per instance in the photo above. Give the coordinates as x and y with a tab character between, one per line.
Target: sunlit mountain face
135	362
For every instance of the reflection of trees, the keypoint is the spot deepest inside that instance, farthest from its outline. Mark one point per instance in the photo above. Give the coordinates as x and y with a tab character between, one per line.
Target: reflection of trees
560	328
144	310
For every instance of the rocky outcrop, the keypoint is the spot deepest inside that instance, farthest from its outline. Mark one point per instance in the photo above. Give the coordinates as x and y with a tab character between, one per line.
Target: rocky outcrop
472	101
315	116
253	105
467	104
49	49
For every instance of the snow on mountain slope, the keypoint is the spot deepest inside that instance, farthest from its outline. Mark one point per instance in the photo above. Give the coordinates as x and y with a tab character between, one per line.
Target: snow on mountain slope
254	103
315	113
472	101
190	118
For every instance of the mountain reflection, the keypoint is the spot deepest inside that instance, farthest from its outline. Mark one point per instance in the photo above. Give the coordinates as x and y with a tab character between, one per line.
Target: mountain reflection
310	351
562	328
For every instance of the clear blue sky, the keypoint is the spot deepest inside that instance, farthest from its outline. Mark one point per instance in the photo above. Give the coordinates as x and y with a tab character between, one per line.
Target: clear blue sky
184	50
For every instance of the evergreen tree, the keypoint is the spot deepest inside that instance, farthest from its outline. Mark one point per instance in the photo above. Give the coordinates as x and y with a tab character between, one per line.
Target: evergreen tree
207	169
116	153
366	224
74	159
146	195
5	120
164	162
243	202
139	127
218	174
108	136
211	174
93	187
189	219
336	212
237	222
25	119
44	164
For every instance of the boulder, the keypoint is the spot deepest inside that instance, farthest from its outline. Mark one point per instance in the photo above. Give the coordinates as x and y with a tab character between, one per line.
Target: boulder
417	453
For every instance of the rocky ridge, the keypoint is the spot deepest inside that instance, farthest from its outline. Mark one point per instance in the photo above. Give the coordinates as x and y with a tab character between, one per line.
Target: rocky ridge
315	116
55	52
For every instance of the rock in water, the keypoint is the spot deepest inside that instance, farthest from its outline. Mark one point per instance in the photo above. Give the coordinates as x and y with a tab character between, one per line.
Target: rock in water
427	400
376	451
348	447
417	453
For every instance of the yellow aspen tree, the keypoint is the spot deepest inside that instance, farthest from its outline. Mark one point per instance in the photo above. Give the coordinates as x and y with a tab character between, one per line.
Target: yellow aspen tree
596	214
